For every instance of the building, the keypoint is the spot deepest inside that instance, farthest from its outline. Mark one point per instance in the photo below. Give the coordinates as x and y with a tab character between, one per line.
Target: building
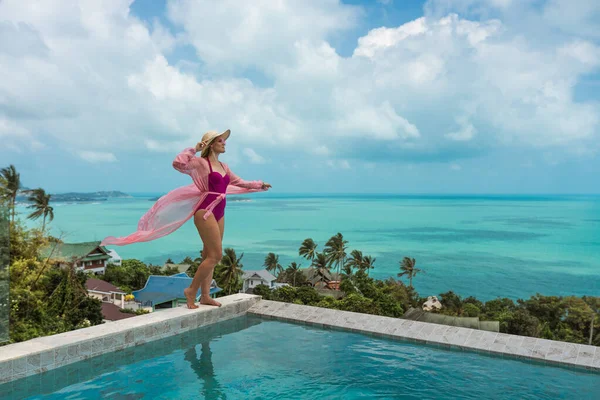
330	281
115	258
88	256
105	292
251	279
112	298
167	291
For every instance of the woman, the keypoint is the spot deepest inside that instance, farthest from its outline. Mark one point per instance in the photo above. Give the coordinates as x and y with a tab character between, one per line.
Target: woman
204	200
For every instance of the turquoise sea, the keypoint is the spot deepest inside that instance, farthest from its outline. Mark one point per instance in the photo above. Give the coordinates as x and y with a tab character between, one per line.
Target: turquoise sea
485	246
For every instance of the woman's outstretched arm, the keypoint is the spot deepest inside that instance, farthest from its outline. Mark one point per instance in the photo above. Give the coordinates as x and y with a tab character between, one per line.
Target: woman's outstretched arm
237	181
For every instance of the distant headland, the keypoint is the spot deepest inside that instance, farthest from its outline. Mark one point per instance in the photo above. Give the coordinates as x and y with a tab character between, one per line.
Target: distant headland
80	197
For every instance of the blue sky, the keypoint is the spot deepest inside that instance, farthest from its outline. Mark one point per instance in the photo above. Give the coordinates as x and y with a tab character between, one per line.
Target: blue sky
437	96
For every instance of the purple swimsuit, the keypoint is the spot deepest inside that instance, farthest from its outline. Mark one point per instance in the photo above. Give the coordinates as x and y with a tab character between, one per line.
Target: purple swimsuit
216	183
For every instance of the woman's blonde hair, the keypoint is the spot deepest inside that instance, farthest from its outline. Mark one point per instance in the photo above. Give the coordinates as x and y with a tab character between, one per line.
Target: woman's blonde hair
206	149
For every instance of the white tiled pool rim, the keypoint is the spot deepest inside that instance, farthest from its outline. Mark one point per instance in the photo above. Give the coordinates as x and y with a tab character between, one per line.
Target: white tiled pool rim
39	355
565	354
35	356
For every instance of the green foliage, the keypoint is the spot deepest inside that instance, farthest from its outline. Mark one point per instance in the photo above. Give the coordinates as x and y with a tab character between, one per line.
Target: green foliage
451	303
228	273
307	295
272	264
136	312
292	275
357	303
262	290
523	323
407	266
285	293
471	310
59	303
326	302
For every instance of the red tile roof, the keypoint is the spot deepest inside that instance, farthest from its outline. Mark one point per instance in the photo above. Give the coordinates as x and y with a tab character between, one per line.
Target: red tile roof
113	313
101	286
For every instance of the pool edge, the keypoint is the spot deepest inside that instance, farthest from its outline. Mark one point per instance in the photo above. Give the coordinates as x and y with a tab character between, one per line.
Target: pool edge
567	355
35	356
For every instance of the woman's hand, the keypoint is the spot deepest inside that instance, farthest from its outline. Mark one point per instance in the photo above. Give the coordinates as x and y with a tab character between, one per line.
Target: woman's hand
266	186
200	146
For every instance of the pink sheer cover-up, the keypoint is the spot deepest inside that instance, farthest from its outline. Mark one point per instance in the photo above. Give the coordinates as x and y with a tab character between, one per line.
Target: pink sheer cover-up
173	209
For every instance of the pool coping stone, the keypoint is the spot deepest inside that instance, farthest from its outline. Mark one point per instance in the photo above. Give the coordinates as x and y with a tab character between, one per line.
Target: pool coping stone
571	355
38	355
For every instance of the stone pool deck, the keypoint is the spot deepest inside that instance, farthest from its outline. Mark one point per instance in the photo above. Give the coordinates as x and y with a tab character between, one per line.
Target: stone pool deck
497	344
19	360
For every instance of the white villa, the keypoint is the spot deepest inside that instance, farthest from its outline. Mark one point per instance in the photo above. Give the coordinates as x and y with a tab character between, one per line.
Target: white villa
115	258
105	292
259	277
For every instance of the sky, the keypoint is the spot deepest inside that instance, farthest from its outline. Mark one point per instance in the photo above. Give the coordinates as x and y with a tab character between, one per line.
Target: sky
321	96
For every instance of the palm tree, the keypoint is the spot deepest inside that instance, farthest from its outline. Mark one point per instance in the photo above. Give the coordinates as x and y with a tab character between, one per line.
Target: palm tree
335	249
41	204
356	261
10	183
272	264
407	266
293	269
308	249
229	271
321	267
368	263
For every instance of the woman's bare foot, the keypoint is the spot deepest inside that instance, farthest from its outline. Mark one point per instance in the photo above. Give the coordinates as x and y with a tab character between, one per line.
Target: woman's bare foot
209	301
189	295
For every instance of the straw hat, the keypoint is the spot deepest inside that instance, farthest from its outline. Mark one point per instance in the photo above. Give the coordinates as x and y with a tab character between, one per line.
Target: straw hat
208	138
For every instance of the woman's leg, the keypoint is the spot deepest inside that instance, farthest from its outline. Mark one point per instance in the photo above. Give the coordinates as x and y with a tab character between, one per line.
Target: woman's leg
221	223
210	234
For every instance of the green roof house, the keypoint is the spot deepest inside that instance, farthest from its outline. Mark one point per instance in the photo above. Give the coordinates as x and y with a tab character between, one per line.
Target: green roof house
89	256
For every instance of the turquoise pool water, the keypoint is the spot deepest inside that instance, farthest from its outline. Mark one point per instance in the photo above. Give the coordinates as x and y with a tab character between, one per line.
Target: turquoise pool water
264	359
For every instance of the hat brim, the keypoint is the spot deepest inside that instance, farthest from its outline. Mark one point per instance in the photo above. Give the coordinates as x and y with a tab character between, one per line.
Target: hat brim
225	135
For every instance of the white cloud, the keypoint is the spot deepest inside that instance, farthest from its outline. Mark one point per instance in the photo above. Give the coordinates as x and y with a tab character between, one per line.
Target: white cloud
97	157
575	17
254	157
262	32
321	150
455	167
338	164
16	137
466	132
94	76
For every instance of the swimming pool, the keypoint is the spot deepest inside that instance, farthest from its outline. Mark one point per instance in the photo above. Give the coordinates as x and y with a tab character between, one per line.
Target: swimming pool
248	357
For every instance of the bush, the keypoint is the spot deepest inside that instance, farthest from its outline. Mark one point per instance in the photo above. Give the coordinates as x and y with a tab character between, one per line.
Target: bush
523	323
262	290
471	310
284	293
327	302
357	303
308	295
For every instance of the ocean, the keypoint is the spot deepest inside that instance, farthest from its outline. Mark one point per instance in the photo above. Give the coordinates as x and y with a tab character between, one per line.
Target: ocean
482	246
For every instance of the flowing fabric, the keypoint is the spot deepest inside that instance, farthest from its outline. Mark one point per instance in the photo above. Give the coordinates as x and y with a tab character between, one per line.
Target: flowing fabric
173	209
